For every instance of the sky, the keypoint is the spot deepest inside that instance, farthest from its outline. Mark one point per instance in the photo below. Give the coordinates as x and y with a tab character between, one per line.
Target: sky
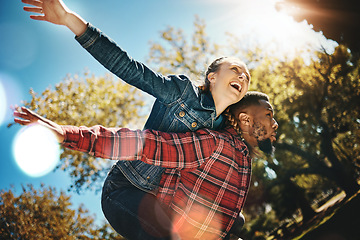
38	55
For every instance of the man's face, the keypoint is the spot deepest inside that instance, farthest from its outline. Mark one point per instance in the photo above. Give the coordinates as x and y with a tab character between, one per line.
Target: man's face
264	126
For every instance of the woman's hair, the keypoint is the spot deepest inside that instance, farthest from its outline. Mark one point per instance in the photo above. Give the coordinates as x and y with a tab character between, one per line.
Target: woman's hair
213	68
231	114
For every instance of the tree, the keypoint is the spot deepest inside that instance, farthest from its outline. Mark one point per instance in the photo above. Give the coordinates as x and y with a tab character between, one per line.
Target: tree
45	214
89	101
316	105
317	108
333	114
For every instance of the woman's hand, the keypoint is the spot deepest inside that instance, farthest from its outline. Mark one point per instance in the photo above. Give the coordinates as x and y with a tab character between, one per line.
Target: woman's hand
26	117
56	12
53	11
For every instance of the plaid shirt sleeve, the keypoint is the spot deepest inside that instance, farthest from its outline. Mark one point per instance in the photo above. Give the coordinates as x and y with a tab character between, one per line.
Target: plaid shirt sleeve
169	150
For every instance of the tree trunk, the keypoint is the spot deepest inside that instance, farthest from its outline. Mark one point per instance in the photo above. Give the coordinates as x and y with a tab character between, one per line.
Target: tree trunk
344	178
306	210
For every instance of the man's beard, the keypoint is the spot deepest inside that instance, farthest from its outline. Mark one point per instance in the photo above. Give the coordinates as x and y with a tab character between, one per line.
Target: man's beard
266	146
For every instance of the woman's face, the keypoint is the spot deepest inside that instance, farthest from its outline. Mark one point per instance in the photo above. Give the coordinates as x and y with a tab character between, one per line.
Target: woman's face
230	82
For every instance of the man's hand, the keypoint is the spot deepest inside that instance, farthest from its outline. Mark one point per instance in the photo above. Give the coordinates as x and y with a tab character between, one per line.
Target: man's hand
26	117
56	12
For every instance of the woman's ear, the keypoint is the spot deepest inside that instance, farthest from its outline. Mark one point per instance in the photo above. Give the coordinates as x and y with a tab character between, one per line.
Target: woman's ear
244	119
211	77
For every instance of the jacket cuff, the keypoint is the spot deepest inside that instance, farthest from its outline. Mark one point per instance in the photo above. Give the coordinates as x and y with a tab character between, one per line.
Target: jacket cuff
89	36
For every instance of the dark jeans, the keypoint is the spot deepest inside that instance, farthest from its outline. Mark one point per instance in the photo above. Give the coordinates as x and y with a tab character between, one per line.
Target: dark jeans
135	214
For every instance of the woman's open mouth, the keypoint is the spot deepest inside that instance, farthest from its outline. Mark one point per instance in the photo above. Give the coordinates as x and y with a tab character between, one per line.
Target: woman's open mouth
236	85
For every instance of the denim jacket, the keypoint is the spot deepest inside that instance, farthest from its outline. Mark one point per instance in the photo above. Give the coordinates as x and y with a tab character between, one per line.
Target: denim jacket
179	106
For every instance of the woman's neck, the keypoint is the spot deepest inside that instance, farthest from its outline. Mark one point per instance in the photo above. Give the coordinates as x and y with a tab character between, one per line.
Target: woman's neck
220	105
219	110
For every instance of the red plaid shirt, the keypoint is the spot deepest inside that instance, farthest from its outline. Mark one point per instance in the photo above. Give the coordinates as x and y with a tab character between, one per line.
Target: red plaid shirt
207	172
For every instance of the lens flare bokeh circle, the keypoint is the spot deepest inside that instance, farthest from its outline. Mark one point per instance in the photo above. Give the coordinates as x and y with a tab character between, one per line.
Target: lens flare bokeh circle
36	150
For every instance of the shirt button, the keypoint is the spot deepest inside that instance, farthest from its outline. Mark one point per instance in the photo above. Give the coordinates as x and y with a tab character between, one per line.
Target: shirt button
194	124
182	113
148	177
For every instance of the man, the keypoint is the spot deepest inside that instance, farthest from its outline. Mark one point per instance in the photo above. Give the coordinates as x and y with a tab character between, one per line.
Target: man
207	176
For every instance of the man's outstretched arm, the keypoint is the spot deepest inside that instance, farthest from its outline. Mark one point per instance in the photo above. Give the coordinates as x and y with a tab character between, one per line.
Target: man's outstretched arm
169	150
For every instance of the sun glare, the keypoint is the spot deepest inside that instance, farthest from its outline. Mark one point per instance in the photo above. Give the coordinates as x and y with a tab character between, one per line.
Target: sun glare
258	23
36	150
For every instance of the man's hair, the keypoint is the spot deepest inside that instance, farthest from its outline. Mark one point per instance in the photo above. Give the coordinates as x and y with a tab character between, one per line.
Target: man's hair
251	98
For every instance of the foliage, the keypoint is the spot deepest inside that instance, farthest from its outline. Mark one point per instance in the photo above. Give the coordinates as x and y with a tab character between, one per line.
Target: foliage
45	214
259	227
180	56
317	109
89	101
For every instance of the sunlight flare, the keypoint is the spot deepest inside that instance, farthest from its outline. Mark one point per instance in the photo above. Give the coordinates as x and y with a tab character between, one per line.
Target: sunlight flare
36	150
258	23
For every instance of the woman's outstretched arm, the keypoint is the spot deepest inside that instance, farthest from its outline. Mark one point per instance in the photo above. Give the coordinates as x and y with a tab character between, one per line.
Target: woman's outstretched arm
56	12
106	51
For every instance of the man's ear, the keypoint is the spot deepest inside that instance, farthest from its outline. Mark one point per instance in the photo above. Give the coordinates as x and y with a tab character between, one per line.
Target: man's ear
244	119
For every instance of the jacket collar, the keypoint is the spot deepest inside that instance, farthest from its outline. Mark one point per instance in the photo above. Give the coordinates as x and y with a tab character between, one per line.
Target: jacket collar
207	102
